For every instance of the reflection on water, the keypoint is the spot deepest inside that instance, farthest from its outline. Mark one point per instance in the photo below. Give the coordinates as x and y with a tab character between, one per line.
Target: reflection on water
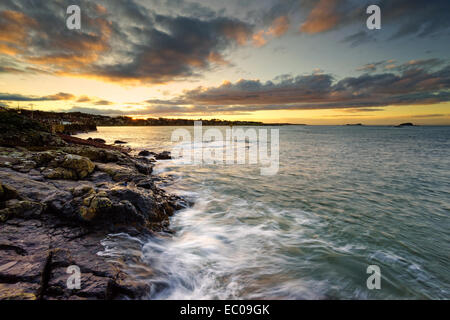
345	198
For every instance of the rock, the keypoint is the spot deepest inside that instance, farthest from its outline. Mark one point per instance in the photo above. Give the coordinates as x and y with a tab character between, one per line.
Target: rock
21	209
7	193
25	166
43	158
144	168
163	156
146	184
146	153
127	287
96	154
80	165
82	190
98	140
120	173
18	291
17	130
57	213
407	124
120	142
94	206
60	173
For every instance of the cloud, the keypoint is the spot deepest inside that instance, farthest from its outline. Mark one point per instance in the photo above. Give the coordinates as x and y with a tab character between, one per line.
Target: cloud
119	41
359	38
277	29
322	18
83	99
368	92
434	115
103	103
22	98
400	18
363	110
96	111
61	96
279	26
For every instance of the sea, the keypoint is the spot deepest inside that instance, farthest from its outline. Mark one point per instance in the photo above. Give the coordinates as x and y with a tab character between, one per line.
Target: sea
344	199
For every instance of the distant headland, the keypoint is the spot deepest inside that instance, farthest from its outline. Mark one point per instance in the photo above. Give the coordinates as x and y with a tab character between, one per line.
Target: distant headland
73	122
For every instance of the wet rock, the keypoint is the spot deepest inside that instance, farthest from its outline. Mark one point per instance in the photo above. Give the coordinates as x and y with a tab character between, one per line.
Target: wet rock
94	206
43	158
98	140
96	154
144	168
120	173
60	173
146	153
18	291
57	213
82	190
163	156
7	192
146	184
120	142
25	166
125	286
21	209
80	165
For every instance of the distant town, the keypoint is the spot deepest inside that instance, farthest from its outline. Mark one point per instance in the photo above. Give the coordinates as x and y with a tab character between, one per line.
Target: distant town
74	122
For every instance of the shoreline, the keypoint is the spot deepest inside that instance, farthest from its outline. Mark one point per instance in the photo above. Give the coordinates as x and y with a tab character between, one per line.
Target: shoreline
58	201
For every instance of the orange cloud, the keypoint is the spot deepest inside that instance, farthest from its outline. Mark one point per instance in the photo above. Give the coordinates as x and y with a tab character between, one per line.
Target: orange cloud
279	26
14	26
240	34
258	39
6	49
322	18
217	58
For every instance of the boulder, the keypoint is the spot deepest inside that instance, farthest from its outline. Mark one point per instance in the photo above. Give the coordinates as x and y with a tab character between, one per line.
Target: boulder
7	192
163	156
21	209
80	165
120	142
98	140
60	173
18	291
118	172
146	153
95	154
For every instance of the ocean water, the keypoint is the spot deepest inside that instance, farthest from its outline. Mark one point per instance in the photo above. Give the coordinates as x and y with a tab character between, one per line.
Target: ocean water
344	198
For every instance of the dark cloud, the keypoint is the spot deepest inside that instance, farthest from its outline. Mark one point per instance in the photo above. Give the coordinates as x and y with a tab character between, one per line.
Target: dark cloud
422	84
119	40
84	99
400	18
103	103
420	18
105	112
19	98
434	115
359	38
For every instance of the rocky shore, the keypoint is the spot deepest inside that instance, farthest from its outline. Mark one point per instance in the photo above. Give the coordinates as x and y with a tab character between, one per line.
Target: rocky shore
58	201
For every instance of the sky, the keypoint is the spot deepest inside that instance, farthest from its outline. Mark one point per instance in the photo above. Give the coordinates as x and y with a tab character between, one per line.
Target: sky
297	61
